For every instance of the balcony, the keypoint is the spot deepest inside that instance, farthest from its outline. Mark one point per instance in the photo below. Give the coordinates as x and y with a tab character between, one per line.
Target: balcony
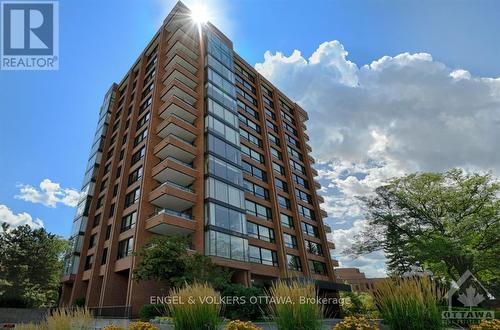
320	199
178	107
169	222
331	245
323	213
177	126
183	60
180	46
176	147
174	170
180	91
172	196
317	185
328	229
335	263
188	39
178	73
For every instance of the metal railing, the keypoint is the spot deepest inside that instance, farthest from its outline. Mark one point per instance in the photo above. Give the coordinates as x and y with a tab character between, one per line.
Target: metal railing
176	185
174	213
179	161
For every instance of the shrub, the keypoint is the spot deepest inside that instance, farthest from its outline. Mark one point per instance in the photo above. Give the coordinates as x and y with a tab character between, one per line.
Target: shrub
487	325
150	311
202	311
240	325
67	319
31	326
410	303
139	325
359	304
244	311
291	306
355	323
113	327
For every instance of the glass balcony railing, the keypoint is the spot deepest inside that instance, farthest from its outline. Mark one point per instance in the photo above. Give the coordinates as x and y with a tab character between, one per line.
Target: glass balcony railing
183	215
173	184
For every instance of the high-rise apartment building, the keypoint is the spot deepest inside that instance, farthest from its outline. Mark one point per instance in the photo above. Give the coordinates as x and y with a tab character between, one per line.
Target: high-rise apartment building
194	141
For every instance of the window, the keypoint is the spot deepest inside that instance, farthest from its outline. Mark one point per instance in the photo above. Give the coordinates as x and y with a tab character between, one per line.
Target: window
284	202
97	220
317	267
286	220
145	105
122	153
223	149
89	261
148	77
223	170
276	154
306	213
222	82
245	73
115	126
128	221
262	256
252	154
124	139
269	113
107	167
280	184
110	153
112	210
296	166
290	129
223	192
294	153
260	232
246	96
287	117
118	172
278	168
113	139
244	120
99	202
300	181
147	90
104	257
286	107
256	190
223	217
135	175
138	156
258	210
139	138
219	127
125	248
221	112
274	139
292	140
245	84
220	68
272	126
220	96
108	232
226	246
144	119
92	240
294	262
104	184
313	248
132	197
309	229
115	190
303	196
250	138
254	171
268	102
248	109
290	240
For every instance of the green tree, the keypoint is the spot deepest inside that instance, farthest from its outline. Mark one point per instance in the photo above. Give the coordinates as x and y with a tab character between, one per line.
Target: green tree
30	266
445	222
165	258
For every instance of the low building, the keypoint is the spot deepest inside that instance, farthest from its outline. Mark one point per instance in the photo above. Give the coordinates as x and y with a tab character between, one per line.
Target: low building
357	279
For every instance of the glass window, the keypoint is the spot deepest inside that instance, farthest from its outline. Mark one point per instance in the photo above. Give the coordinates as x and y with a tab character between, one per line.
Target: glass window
306	213
303	196
135	175
309	229
250	138
290	240
224	170
286	220
278	168
125	248
258	210
260	232
223	192
294	262
296	166
317	267
254	171
132	197
252	154
223	149
248	109
262	256
128	221
231	135
314	248
256	190
280	184
283	202
221	112
226	246
226	218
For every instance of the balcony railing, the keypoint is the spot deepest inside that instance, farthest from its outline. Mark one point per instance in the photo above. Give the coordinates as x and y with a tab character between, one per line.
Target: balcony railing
173	184
179	161
183	140
174	213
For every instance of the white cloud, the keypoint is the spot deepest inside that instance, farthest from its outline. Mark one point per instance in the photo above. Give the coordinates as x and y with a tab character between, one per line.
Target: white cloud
49	194
14	220
393	116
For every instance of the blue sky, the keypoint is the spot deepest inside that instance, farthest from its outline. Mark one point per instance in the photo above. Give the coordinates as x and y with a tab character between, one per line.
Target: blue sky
48	118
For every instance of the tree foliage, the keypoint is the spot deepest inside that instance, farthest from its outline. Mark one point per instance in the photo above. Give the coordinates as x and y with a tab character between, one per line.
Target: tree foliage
30	266
445	222
165	258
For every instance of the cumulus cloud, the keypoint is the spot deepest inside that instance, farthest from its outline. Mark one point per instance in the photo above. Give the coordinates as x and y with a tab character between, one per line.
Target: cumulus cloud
14	220
396	115
48	194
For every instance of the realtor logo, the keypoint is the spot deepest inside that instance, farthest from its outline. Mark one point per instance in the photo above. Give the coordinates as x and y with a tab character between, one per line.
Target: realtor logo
465	300
30	35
